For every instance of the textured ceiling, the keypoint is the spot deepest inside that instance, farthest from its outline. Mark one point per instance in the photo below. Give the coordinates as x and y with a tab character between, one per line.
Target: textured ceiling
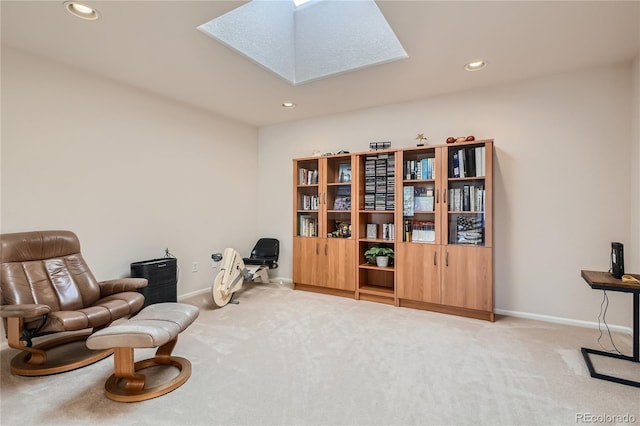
156	46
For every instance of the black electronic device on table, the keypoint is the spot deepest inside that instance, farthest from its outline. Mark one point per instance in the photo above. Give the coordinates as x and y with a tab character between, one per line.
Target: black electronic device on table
617	260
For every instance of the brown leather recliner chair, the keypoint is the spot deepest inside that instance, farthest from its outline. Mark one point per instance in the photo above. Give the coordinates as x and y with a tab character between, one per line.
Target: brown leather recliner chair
46	287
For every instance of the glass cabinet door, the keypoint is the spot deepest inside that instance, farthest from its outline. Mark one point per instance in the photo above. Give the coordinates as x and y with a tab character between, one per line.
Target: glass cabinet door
421	196
306	198
466	194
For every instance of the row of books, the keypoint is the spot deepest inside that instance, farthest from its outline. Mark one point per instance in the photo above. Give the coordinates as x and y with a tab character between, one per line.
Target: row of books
467	198
307	176
468	162
420	169
310	202
419	231
417	199
308	226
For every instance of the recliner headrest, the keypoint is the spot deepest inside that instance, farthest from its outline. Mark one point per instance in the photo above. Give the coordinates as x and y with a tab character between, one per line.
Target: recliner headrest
37	245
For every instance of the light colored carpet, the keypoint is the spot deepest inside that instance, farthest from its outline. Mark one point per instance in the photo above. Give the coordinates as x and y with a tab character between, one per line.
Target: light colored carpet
284	357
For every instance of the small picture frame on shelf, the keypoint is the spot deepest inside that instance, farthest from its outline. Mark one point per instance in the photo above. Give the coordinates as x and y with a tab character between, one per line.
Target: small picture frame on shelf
344	173
372	231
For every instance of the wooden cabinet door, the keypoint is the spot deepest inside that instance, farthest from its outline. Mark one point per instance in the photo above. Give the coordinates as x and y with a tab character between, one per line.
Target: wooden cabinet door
418	272
467	277
307	261
340	264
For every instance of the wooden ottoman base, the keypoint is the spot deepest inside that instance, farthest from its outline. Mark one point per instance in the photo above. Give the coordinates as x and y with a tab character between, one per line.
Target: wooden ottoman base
128	385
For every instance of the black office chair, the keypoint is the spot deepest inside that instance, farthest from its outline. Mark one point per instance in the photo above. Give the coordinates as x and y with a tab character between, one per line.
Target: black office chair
264	253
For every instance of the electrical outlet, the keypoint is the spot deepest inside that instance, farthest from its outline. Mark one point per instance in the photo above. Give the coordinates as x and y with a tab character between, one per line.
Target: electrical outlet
194	267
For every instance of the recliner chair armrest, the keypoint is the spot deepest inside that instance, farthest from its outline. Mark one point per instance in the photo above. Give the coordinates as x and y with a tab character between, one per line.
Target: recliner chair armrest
23	311
119	285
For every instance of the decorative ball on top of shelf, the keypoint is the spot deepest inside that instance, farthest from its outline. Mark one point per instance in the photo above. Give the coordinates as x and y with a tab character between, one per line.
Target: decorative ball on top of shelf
461	139
421	139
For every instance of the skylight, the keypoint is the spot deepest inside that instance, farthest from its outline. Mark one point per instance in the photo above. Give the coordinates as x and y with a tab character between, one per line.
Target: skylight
300	2
322	39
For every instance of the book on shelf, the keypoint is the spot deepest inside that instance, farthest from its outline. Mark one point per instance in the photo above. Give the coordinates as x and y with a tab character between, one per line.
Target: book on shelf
468	162
342	202
456	165
372	231
310	202
461	163
421	169
470	198
423	232
431	168
308	226
469	230
466	199
388	231
344	173
307	176
423	199
455	199
409	170
343	198
407	202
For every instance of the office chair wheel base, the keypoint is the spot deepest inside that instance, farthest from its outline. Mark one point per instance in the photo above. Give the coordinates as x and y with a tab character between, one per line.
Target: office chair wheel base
21	365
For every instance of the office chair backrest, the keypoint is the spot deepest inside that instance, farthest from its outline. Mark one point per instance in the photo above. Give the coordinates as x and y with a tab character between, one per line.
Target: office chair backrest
266	248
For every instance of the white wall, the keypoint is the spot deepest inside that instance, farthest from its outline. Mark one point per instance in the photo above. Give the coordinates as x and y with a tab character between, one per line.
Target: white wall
129	172
132	173
632	255
561	178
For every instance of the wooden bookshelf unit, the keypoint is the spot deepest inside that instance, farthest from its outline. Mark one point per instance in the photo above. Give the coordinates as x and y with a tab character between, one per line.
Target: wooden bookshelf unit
432	205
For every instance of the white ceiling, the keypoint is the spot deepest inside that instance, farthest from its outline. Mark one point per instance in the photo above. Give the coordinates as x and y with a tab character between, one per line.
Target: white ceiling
155	46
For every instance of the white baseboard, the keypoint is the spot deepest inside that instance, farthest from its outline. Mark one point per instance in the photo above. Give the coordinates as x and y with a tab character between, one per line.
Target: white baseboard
279	281
565	321
194	293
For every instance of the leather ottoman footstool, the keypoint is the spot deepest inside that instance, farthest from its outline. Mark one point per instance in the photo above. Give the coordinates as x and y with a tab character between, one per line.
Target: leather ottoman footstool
155	326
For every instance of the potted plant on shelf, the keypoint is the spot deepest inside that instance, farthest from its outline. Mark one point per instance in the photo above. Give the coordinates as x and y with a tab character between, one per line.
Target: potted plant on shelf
379	255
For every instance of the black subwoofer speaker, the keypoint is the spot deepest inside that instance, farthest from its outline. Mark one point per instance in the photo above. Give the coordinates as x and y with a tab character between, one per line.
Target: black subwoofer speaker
162	277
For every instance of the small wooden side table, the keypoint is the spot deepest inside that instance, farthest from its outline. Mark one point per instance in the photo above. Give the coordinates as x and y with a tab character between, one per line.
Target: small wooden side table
599	280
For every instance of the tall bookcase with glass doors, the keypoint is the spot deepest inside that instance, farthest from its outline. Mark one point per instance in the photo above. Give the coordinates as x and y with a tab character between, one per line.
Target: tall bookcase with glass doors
432	205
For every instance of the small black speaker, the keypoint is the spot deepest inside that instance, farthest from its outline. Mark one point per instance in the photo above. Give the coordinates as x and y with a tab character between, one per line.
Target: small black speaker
617	260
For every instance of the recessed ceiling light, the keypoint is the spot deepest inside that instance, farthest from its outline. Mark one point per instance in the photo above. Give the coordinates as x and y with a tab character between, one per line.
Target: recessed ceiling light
81	11
289	105
475	66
